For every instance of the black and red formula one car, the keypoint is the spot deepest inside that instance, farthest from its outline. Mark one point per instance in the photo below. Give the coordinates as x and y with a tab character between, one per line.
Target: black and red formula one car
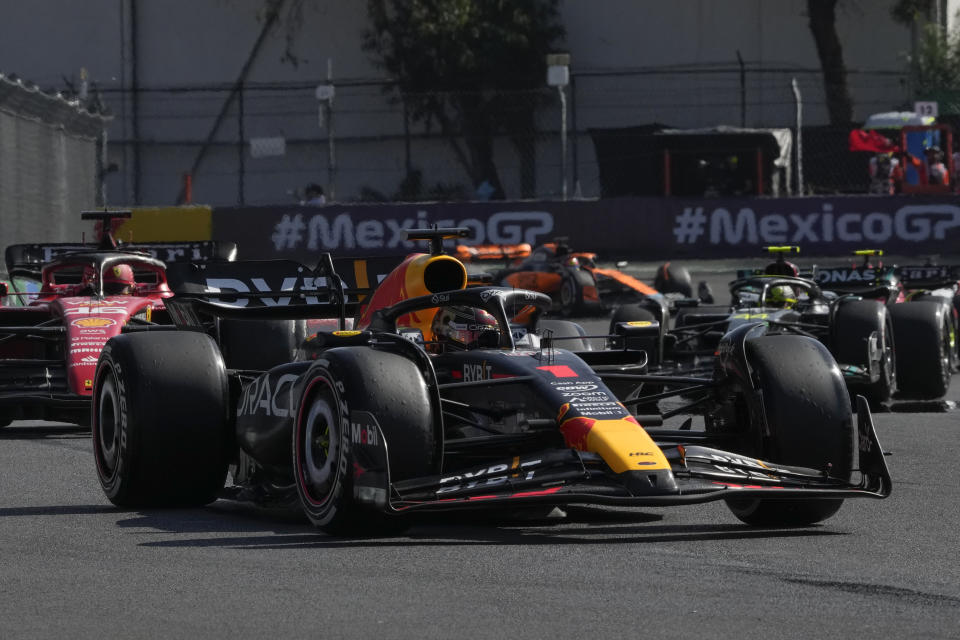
66	301
448	397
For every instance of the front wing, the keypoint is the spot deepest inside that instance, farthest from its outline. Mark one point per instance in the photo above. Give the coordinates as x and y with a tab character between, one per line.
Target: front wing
567	476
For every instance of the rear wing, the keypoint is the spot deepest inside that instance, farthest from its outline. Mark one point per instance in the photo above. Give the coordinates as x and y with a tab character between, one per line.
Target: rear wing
27	260
273	289
928	276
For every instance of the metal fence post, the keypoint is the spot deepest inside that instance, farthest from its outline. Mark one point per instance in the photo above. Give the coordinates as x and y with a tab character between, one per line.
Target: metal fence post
796	98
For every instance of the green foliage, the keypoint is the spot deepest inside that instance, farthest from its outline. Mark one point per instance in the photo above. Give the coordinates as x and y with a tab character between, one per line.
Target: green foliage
908	11
472	68
936	65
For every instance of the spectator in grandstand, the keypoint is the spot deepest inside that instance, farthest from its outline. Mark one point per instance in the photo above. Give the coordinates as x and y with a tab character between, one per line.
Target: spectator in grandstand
886	175
931	169
313	195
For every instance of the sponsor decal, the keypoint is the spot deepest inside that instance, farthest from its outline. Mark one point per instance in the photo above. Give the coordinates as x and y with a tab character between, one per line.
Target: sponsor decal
298	284
724	350
88	323
346	334
566	387
489	476
94	309
477	372
88	384
925	273
413	335
515	354
260	397
834	276
640	323
440	298
92	332
328	232
363	429
86	361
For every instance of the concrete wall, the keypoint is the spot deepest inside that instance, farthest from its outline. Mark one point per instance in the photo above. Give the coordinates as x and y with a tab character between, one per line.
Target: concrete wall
634	62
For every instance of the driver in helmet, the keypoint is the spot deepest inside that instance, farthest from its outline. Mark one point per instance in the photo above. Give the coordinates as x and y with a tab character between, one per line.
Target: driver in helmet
463	328
782	296
782	268
118	280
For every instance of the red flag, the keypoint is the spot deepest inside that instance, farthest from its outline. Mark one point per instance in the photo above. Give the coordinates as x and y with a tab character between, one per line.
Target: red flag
870	140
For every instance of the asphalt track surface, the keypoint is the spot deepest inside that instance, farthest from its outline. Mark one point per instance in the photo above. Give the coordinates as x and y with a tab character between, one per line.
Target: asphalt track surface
74	565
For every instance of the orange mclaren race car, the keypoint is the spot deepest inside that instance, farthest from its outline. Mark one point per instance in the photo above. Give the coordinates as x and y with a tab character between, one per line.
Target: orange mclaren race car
573	279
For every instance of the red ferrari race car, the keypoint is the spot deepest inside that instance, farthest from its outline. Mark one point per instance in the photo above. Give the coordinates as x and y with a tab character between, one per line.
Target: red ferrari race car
577	285
64	302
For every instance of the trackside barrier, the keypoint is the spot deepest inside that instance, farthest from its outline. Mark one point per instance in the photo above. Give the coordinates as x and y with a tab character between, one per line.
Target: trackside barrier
635	228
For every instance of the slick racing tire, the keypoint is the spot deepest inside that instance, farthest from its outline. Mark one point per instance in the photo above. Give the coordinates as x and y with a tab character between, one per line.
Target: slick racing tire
922	334
572	291
391	389
159	419
671	278
632	312
568	335
864	336
260	344
805	405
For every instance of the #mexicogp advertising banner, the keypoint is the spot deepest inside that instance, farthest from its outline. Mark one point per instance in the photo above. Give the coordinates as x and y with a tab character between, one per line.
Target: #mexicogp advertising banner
635	228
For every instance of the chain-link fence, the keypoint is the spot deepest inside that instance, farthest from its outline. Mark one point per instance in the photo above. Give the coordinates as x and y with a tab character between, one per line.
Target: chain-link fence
49	167
262	143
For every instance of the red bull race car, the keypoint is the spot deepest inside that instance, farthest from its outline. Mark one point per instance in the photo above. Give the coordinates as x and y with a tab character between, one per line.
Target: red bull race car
65	302
445	397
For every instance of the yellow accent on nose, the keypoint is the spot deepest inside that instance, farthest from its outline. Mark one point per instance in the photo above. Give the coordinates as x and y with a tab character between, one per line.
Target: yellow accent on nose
625	446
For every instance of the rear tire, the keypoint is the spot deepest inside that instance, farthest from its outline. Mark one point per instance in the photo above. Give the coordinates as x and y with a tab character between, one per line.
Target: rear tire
807	409
857	323
632	312
922	336
159	420
671	278
392	389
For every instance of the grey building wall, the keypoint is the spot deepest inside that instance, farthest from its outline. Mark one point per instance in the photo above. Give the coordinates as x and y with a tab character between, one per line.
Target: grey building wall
633	62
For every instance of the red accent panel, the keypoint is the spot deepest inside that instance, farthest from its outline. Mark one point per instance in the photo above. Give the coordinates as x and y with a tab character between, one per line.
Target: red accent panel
560	371
542	492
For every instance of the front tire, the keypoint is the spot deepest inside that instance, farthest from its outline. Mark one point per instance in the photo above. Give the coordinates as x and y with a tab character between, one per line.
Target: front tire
346	381
159	420
806	409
